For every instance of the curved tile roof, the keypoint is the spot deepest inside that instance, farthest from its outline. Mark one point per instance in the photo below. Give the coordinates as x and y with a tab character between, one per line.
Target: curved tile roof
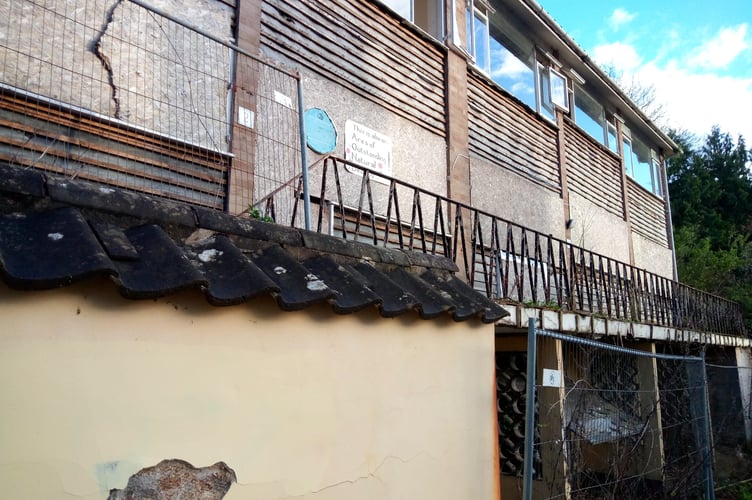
54	232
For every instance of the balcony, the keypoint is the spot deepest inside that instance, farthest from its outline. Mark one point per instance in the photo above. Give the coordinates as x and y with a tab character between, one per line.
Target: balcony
508	262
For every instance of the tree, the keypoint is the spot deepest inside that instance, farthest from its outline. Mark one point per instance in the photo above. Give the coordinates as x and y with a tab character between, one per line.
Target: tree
710	188
711	203
639	93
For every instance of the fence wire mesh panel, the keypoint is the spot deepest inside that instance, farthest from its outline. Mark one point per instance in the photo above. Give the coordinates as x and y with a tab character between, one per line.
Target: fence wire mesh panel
730	395
619	422
128	94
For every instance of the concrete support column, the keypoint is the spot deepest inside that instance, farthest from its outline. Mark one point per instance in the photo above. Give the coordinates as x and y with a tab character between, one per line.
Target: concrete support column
551	414
651	456
744	369
458	153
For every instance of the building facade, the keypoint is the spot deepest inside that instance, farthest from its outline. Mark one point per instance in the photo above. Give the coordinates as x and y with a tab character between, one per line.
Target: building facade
472	138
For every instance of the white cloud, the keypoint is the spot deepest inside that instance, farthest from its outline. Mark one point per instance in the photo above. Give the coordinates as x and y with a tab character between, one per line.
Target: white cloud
694	98
619	55
620	17
720	51
697	101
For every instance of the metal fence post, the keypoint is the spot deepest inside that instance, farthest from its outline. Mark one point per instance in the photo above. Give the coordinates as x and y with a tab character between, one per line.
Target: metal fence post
700	413
304	157
706	450
527	485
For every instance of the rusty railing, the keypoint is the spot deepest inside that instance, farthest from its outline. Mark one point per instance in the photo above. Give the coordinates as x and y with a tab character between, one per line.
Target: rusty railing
505	260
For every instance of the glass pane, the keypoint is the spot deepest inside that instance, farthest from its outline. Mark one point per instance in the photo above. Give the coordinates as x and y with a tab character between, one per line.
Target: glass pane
642	164
480	29
544	87
613	142
428	14
402	7
559	91
657	187
589	115
512	60
628	156
512	74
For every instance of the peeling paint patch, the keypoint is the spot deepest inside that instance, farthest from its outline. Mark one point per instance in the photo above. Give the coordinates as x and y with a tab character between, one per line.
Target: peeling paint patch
55	236
177	479
280	270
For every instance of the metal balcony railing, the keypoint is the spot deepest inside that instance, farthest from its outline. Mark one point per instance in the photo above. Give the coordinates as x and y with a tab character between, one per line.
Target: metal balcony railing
503	259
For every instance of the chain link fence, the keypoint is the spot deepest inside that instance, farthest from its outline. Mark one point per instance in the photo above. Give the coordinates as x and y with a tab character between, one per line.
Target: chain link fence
730	394
607	421
149	97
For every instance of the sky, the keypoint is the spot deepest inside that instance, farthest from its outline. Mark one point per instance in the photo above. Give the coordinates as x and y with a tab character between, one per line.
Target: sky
696	54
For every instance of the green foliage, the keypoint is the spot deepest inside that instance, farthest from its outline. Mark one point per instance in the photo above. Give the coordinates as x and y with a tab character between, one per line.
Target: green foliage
255	213
711	202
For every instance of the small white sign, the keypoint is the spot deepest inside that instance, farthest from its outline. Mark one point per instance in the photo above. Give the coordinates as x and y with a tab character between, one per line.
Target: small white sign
369	148
282	99
551	378
245	117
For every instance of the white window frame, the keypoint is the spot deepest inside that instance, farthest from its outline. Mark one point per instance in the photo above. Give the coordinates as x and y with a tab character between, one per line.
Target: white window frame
438	16
559	91
480	10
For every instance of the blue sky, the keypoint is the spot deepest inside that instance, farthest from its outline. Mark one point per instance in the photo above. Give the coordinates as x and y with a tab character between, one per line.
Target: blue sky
696	54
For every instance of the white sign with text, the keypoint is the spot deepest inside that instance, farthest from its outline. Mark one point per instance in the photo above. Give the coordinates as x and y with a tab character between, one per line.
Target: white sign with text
368	148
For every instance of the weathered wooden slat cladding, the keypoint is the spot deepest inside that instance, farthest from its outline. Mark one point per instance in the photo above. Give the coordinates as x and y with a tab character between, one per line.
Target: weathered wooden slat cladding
514	263
592	171
363	48
56	139
508	134
647	213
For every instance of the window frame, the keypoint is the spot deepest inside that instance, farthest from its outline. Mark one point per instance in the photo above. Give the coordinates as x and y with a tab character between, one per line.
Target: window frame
654	164
439	30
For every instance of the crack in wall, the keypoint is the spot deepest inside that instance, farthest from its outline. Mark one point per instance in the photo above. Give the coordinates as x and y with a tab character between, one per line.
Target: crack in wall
370	475
95	47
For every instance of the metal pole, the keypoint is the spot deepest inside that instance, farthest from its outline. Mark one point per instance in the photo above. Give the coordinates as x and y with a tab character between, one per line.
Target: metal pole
527	485
304	157
707	453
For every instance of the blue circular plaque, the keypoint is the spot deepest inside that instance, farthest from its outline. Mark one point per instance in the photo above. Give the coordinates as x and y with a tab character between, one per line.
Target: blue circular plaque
321	136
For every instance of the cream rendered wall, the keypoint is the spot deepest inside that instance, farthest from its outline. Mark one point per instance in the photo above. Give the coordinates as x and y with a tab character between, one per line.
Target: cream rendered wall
418	156
511	196
655	258
308	404
598	230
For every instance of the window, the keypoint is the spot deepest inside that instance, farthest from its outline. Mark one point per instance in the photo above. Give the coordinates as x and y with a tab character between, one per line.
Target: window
478	37
545	106
590	116
642	163
503	51
512	59
612	135
559	91
427	14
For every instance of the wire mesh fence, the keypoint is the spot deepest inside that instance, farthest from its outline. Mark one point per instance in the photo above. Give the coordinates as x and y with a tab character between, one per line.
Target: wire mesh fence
144	97
730	395
614	422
